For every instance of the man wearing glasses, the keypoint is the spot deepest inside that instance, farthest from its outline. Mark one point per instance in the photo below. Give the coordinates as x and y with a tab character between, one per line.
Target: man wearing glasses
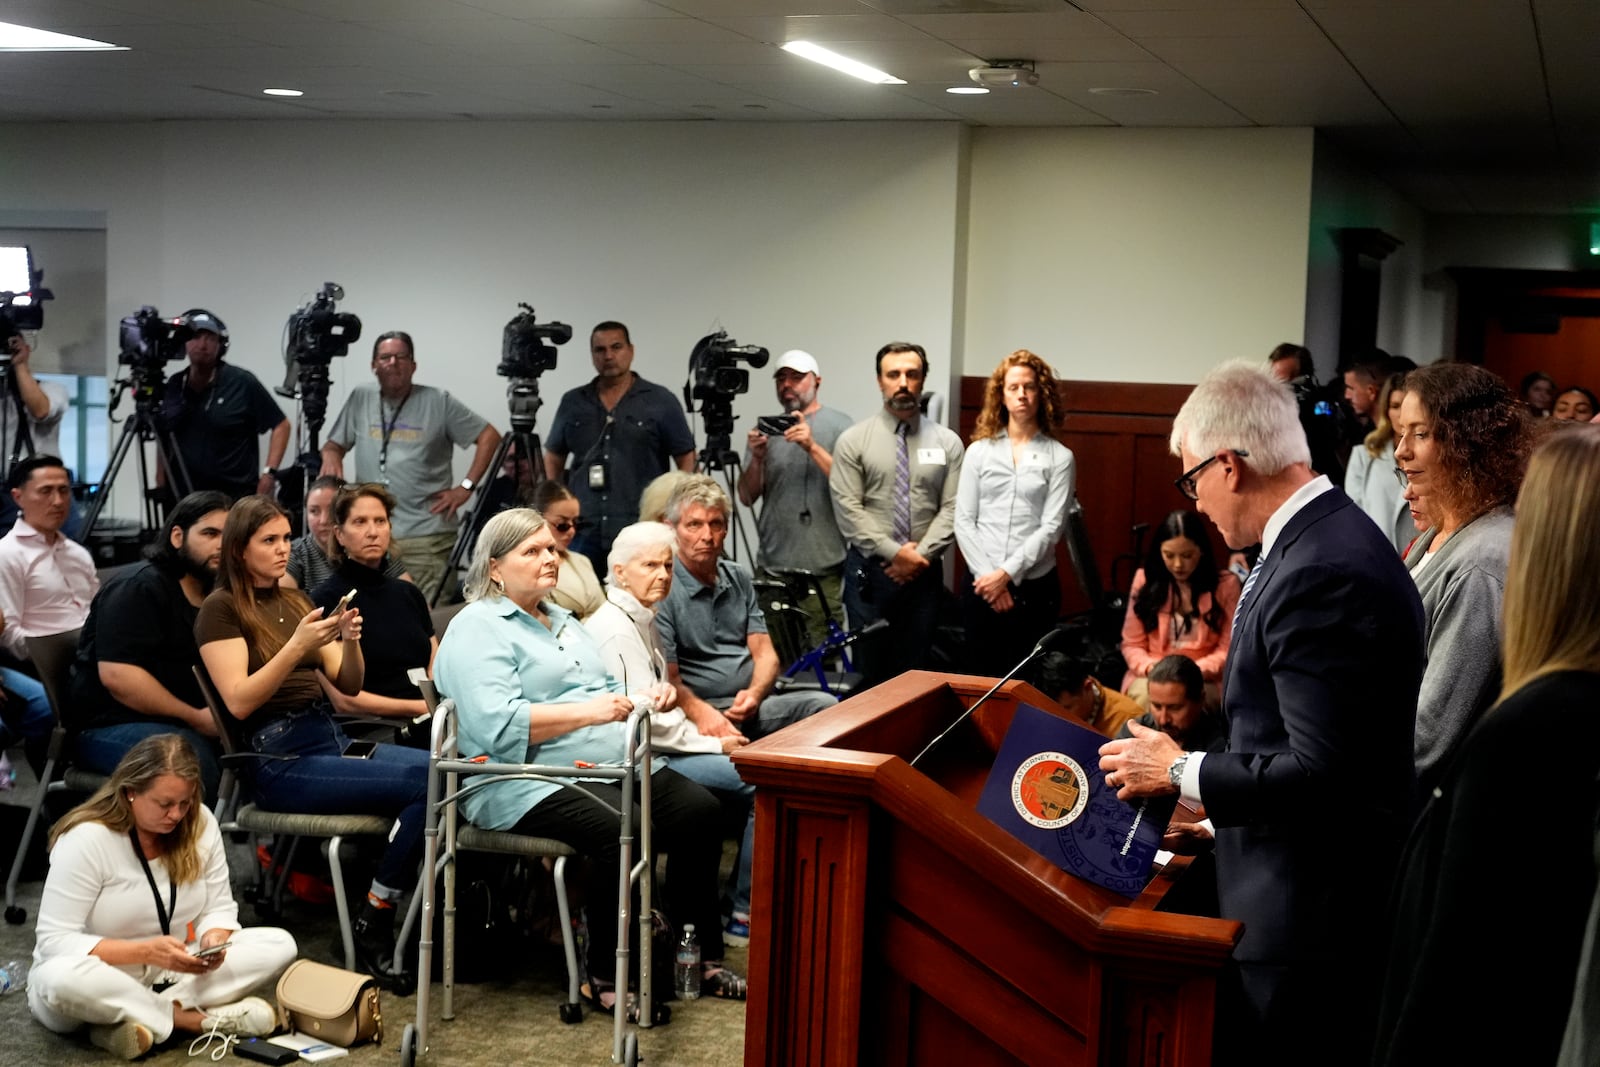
401	435
1320	696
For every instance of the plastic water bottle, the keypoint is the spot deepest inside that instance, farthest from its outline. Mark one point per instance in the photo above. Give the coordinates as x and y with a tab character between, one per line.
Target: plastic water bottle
686	973
14	974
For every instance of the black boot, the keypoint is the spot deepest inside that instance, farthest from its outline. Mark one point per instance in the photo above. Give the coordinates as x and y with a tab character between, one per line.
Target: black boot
373	931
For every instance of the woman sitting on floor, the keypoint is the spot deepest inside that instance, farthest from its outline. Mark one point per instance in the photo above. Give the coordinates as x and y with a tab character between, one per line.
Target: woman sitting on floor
138	885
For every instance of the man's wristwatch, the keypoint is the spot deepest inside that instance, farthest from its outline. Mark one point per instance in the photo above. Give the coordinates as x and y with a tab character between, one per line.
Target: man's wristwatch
1175	771
467	484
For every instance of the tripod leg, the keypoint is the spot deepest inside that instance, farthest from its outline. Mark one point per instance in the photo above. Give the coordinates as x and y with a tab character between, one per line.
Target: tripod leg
467	536
101	494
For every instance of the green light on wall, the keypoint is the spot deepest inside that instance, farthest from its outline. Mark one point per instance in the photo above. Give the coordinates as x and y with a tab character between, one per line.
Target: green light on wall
1594	238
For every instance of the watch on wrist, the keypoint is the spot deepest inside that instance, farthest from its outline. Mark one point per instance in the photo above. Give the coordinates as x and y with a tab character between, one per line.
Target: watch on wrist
268	472
1175	771
467	484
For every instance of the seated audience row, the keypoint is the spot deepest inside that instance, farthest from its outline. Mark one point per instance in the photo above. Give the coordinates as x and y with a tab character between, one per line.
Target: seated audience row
1572	404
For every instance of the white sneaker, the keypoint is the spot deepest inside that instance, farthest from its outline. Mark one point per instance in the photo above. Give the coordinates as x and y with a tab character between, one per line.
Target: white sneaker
250	1017
127	1039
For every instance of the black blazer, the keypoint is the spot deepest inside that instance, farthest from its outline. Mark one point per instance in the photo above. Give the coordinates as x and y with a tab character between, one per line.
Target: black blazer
1312	797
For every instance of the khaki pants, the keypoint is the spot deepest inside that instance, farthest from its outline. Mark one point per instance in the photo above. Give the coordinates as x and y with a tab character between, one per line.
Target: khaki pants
427	560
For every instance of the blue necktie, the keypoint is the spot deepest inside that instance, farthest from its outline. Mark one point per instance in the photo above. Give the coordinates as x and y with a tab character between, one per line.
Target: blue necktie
1249	581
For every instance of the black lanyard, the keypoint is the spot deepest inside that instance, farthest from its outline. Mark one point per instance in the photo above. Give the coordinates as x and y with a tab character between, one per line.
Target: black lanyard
388	431
163	913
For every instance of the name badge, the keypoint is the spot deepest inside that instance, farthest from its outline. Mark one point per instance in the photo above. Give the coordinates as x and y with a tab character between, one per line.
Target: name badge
933	457
1033	459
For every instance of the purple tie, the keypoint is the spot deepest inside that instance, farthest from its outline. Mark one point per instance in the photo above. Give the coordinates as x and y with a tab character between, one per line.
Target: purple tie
902	487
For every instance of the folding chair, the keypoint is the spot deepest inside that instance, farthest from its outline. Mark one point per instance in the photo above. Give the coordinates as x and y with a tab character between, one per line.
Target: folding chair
52	655
444	792
238	813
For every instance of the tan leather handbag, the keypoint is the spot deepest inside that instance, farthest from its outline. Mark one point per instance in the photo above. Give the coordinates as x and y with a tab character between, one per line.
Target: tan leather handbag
339	1006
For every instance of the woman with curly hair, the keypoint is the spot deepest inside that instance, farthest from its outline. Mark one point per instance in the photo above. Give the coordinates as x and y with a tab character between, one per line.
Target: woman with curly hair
1462	443
1369	479
1016	485
1180	603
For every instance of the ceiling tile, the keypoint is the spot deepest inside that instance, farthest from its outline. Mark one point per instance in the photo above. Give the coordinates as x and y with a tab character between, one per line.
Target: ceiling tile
1060	50
778	29
1052	26
1275	22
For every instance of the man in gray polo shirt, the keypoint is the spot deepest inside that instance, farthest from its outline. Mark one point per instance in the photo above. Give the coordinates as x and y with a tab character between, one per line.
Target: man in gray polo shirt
718	653
402	435
789	474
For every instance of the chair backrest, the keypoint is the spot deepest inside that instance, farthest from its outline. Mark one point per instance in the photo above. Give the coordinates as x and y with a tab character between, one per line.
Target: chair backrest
228	728
52	656
430	692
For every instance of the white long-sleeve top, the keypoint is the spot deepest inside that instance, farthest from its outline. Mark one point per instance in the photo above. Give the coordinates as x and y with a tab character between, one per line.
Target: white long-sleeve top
1010	513
96	890
625	630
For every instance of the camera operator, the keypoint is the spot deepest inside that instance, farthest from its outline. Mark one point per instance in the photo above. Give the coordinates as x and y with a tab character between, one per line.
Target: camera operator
401	435
217	413
1320	411
796	527
43	404
620	431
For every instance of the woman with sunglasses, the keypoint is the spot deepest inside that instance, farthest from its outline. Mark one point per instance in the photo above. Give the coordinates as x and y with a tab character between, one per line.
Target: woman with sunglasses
577	587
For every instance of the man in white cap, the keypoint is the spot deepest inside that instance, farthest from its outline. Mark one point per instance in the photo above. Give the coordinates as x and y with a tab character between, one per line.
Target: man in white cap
789	473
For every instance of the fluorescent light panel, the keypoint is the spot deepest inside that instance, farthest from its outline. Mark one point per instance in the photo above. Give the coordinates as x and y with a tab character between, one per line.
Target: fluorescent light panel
282	92
842	64
14	38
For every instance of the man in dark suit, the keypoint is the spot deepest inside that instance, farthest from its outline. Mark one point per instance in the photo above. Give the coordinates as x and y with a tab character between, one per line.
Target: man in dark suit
1310	801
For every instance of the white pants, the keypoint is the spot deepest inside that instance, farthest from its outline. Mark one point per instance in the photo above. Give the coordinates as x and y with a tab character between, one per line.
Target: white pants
66	992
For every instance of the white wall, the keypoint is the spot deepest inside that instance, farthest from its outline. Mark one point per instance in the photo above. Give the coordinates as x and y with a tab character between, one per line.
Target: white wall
1411	302
1136	255
832	238
74	265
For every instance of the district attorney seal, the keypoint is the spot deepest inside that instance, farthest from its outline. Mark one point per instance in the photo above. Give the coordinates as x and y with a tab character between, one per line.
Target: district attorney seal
1050	790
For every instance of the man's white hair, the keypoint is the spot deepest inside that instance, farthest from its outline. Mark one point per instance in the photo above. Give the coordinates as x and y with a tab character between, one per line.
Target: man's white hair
1241	406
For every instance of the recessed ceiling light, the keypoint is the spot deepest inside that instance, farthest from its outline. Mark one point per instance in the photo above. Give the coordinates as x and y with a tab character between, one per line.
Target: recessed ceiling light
14	38
282	92
842	64
967	90
1116	90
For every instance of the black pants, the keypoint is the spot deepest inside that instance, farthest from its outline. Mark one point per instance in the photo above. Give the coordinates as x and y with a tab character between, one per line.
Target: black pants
688	825
997	640
912	611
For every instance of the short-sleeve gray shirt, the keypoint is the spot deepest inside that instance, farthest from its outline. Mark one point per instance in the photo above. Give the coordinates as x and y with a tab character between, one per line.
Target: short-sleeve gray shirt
796	525
705	630
430	422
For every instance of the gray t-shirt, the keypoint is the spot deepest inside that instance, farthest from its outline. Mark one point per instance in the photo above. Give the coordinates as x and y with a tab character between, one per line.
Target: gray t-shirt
705	630
796	525
428	424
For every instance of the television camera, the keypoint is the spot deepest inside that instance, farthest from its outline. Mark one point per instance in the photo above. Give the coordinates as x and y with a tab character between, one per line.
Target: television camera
315	333
715	378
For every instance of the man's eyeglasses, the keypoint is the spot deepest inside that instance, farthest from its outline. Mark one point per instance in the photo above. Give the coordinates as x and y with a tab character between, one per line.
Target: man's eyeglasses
1186	481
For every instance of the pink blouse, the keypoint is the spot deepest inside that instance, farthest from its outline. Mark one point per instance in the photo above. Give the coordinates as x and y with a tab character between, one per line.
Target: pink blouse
1207	647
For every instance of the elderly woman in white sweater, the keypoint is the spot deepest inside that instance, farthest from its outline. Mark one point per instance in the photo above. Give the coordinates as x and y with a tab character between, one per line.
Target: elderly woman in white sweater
638	577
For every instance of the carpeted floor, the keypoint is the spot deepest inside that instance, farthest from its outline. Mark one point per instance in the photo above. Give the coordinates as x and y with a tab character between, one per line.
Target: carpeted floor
513	1021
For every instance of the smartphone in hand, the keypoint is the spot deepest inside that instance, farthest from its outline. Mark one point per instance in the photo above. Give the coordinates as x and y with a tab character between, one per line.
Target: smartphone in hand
344	603
212	951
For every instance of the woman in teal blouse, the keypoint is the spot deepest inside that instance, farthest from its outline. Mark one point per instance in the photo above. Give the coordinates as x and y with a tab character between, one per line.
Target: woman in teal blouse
530	686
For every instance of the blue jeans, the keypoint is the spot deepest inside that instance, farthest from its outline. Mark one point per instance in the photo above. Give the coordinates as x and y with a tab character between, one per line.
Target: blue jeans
394	781
100	750
715	771
27	717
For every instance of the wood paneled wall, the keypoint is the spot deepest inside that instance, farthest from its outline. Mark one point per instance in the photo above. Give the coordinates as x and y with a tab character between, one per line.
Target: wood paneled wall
1118	434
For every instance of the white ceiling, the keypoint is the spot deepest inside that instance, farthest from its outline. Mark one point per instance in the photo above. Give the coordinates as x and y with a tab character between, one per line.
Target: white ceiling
1489	106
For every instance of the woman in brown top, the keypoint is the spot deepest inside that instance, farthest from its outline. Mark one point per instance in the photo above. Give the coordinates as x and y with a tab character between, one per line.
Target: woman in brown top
264	645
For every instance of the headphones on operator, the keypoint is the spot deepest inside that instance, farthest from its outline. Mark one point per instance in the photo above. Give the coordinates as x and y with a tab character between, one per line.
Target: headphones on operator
222	328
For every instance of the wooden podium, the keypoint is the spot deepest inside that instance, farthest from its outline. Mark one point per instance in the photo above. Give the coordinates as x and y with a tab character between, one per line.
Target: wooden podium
895	925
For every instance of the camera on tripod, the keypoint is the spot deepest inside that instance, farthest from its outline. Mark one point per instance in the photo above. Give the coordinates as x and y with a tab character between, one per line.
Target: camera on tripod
21	299
318	332
148	340
715	378
528	347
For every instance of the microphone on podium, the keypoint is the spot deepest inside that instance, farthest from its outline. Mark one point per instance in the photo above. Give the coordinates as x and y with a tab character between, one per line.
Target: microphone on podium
1048	642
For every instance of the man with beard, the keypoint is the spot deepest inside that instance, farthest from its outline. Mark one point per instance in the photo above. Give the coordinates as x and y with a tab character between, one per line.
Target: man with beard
134	675
894	485
789	472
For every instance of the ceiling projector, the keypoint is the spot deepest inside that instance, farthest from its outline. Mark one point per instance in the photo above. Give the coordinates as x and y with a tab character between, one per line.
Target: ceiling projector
1000	75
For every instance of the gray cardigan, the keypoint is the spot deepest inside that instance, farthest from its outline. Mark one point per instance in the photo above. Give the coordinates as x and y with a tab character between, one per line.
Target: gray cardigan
1461	589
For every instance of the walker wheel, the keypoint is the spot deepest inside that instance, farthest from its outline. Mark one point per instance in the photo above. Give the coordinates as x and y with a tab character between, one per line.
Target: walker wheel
408	1046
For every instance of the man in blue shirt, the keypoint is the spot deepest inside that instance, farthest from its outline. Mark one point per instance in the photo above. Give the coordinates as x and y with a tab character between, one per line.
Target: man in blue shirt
620	432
